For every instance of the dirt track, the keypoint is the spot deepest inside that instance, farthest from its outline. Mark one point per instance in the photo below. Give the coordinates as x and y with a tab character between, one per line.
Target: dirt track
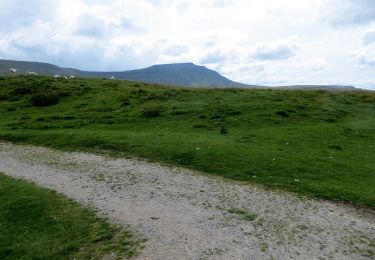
185	215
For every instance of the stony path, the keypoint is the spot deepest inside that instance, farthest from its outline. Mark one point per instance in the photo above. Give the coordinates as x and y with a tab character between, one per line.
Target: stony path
185	215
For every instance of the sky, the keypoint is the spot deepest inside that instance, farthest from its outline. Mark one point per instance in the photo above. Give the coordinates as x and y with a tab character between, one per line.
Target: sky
264	42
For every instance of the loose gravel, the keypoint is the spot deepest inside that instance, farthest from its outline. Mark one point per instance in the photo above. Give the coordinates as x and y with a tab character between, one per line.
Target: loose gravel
187	215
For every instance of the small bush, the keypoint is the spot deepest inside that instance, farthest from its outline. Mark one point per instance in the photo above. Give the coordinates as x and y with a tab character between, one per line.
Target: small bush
223	130
151	110
200	126
330	120
69	117
124	100
216	117
12	99
282	113
44	99
178	113
336	147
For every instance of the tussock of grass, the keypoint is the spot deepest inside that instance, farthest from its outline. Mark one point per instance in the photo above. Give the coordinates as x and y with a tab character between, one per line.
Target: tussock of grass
325	140
243	213
37	223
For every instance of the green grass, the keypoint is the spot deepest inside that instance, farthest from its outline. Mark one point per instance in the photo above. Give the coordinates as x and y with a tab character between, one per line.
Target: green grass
316	143
37	223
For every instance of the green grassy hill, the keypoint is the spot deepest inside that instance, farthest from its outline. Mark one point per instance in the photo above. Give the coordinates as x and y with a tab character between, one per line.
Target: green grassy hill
317	143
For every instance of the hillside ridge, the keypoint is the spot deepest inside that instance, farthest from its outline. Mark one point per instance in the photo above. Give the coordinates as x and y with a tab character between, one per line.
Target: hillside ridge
177	74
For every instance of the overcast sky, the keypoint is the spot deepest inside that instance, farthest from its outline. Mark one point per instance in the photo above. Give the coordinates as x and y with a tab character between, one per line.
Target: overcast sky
268	42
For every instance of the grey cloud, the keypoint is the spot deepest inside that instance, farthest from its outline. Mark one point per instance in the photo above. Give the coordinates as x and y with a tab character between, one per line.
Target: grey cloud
344	13
213	57
127	23
278	50
366	61
369	37
365	56
18	13
91	26
62	53
222	3
175	50
253	68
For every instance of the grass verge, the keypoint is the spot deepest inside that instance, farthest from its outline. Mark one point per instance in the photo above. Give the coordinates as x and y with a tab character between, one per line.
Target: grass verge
37	223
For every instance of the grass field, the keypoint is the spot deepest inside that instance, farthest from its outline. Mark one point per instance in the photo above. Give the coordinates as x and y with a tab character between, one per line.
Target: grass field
37	223
316	143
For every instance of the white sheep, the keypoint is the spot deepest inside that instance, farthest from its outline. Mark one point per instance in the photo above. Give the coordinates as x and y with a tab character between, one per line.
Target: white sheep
57	76
72	77
31	73
13	72
65	77
113	77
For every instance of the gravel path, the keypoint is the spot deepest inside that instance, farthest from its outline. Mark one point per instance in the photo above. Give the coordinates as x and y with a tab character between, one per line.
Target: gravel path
185	215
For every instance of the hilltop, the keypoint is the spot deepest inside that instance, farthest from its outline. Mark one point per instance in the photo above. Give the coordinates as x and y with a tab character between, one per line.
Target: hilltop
178	74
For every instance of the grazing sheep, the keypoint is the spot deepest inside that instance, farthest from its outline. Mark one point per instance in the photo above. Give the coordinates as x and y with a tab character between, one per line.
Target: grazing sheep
32	73
72	77
65	77
113	77
13	72
57	76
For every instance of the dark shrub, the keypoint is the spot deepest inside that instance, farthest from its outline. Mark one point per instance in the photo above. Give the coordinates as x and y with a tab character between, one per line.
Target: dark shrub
69	117
44	99
184	158
216	117
151	110
233	112
12	99
282	113
178	113
125	101
200	126
138	92
223	130
336	147
330	120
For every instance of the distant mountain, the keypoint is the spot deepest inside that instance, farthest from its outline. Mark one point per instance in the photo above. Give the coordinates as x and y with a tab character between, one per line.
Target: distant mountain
23	66
319	87
179	74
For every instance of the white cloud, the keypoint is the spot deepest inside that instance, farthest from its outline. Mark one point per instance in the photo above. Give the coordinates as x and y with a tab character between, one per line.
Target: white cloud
343	13
175	50
214	57
365	55
369	37
246	40
276	50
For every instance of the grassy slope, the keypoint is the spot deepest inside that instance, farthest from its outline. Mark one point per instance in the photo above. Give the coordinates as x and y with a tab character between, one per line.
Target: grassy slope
312	142
37	223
